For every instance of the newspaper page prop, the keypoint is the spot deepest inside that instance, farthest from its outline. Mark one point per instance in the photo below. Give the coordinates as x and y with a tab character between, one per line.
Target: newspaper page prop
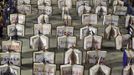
25	9
66	42
45	29
43	19
39	41
71	41
126	40
116	31
21	19
62	41
78	70
43	57
83	32
73	56
97	42
107	31
119	42
93	56
9	70
17	29
44	69
50	69
71	69
111	19
10	58
66	69
17	18
88	42
89	19
65	30
98	69
120	10
11	45
13	18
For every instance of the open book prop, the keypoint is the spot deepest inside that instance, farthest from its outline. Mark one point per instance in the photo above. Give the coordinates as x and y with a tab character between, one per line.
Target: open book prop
111	31
81	2
118	3
62	3
129	20
72	69
17	18
65	30
73	56
45	29
100	2
44	69
45	6
25	9
87	30
119	8
92	41
101	10
11	46
10	58
44	2
83	9
20	2
66	41
93	56
122	41
9	70
43	57
108	19
43	18
128	70
15	29
45	9
39	42
100	69
89	19
67	19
